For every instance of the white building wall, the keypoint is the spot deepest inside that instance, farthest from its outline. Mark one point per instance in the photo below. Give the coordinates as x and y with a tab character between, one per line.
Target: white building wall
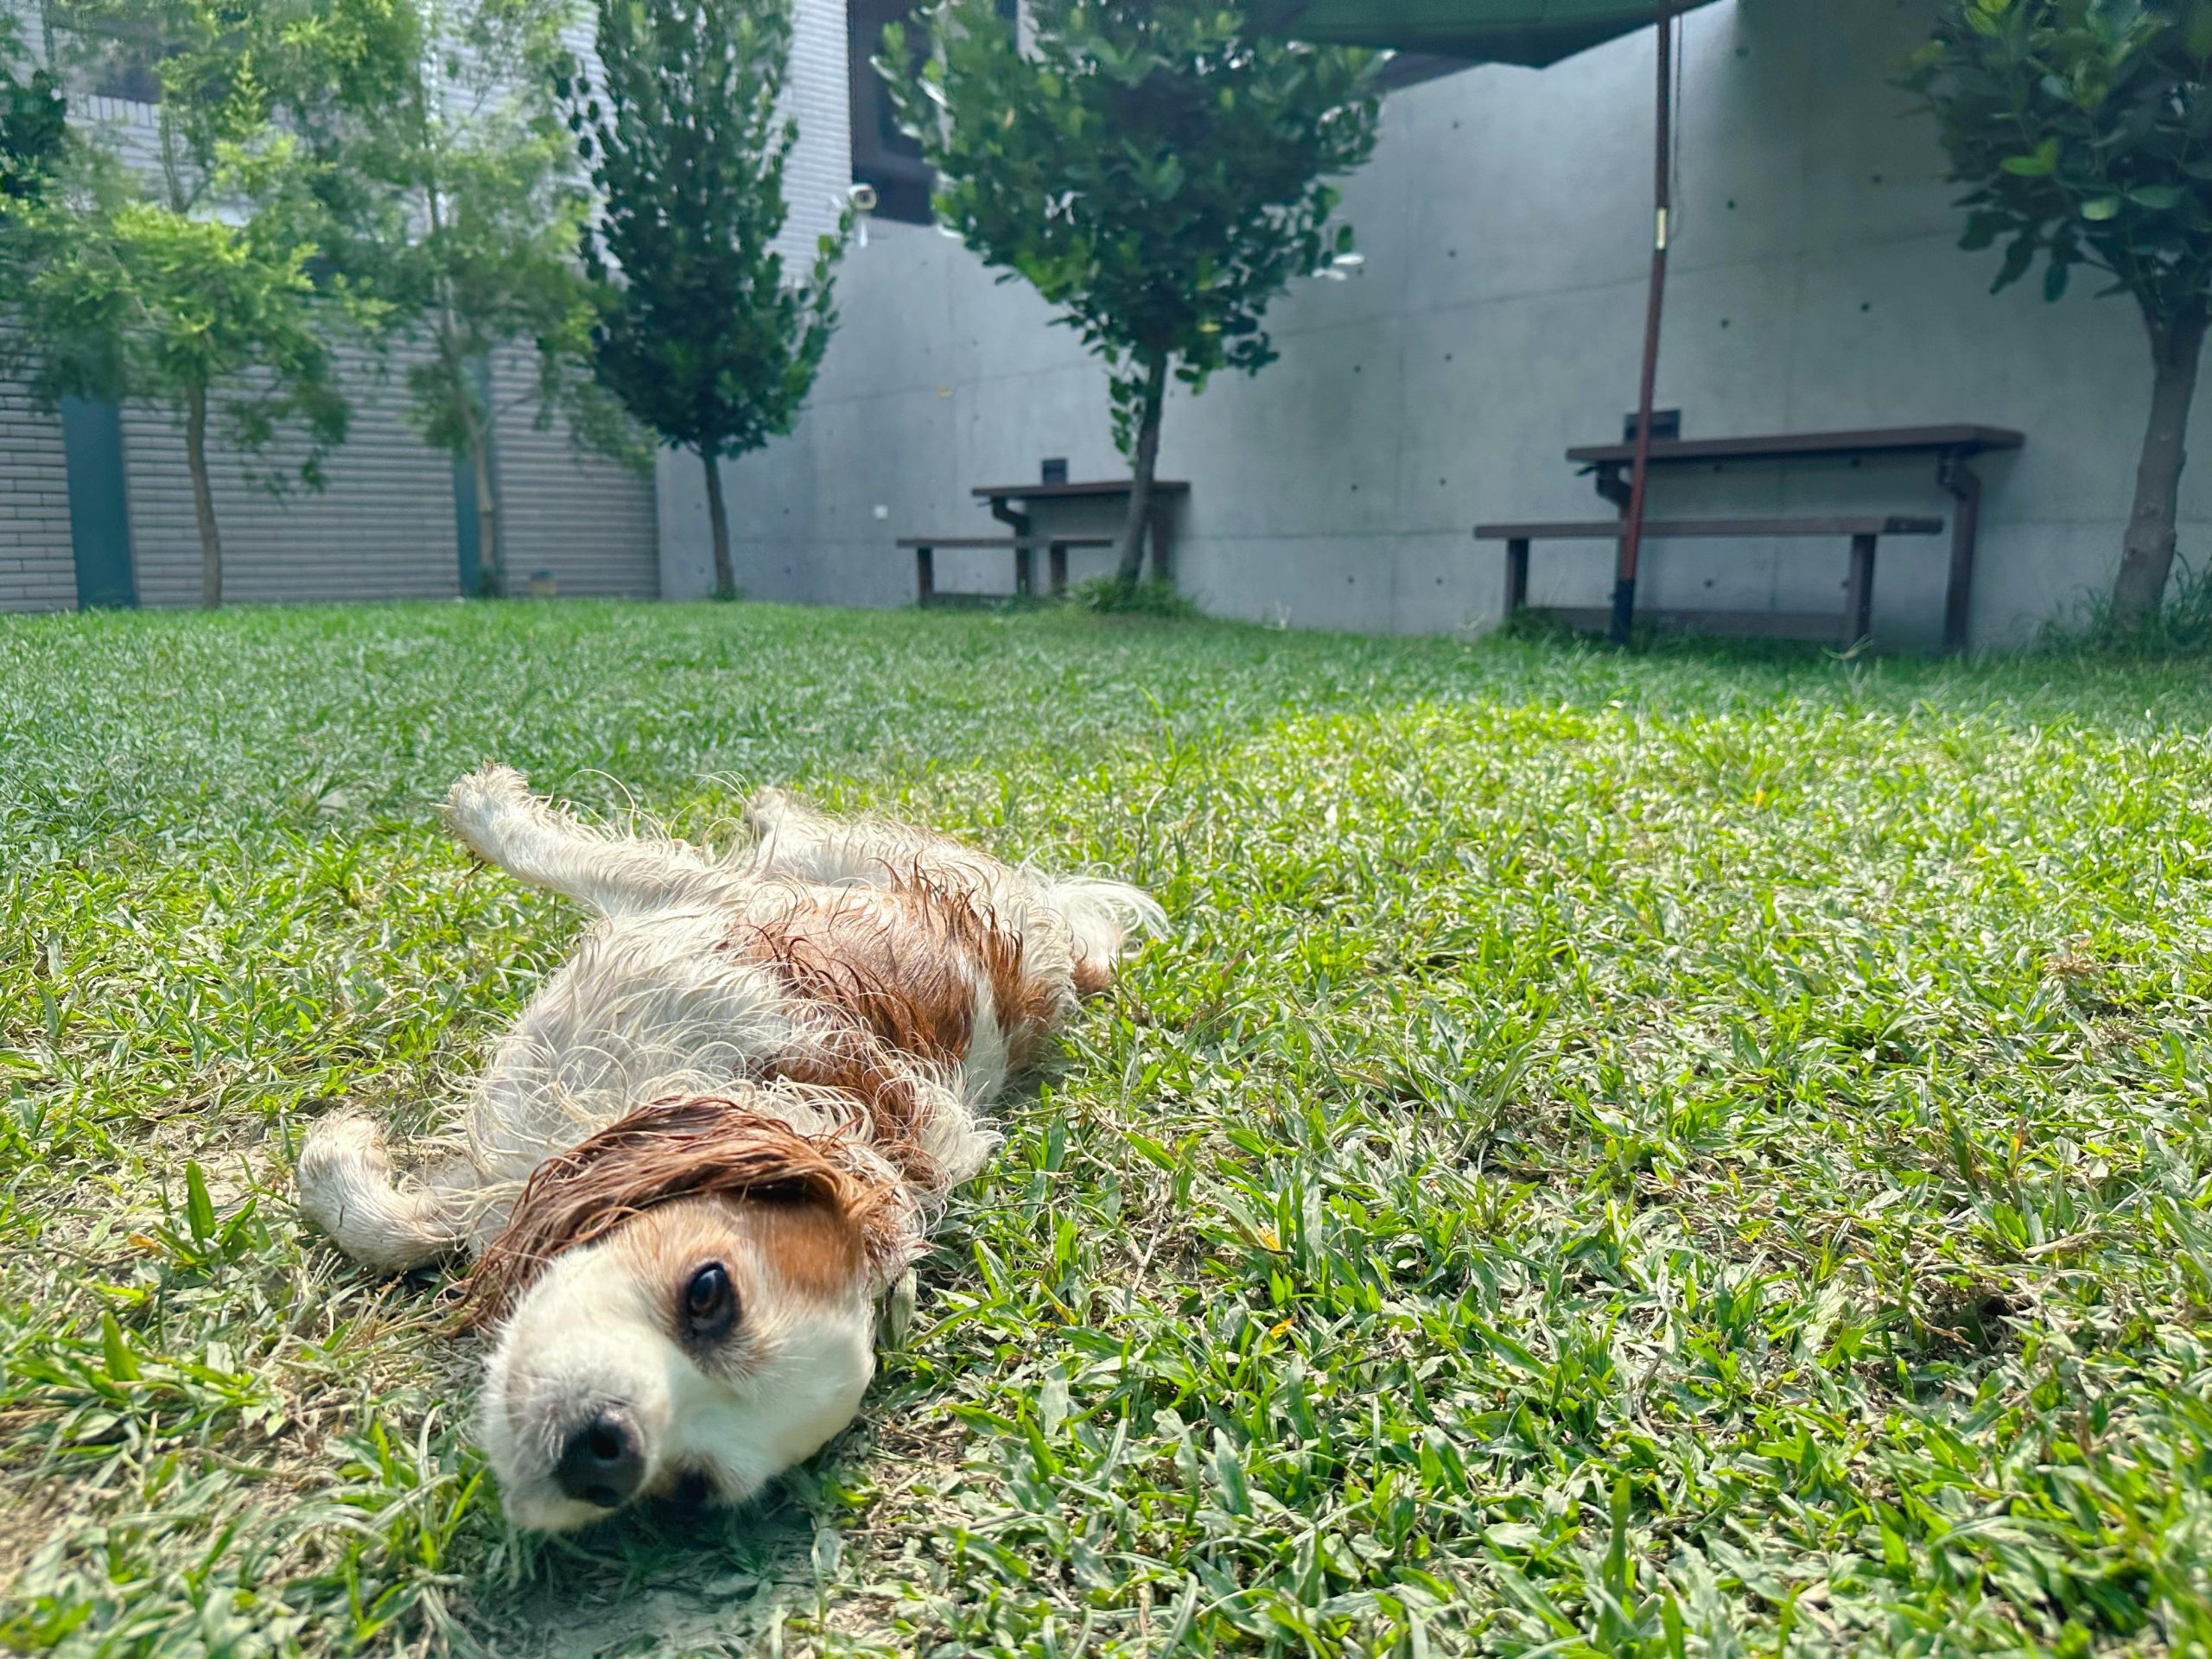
1816	284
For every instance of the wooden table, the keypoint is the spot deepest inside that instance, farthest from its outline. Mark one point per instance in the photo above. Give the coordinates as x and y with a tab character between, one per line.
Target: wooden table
1953	447
1165	493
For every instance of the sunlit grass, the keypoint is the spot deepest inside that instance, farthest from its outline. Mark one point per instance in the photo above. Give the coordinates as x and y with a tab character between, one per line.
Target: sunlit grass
1700	1153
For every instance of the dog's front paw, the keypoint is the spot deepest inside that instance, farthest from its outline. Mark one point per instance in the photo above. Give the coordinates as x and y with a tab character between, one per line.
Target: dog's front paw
342	1158
474	806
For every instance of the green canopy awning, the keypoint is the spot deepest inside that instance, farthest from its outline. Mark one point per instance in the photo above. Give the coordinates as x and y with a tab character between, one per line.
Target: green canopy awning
1532	32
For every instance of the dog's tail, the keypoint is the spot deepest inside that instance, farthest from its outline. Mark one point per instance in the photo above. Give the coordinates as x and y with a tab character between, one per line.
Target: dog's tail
1103	918
348	1190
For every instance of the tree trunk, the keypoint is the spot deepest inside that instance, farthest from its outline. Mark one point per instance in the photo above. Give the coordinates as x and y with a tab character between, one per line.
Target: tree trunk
490	569
203	498
2147	555
1130	548
718	520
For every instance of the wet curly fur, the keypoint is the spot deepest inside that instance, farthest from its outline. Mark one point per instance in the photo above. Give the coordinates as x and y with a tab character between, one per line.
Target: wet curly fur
760	1075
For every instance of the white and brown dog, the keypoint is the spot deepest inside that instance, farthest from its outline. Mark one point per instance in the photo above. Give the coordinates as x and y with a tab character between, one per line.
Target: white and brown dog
719	1134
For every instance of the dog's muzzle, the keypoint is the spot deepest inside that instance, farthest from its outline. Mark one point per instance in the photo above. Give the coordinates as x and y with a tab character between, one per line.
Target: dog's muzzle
602	1463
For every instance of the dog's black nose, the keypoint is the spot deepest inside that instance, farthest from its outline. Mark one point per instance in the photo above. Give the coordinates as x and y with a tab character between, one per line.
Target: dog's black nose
602	1463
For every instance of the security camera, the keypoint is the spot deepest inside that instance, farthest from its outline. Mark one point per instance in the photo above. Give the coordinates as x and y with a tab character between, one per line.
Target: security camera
861	198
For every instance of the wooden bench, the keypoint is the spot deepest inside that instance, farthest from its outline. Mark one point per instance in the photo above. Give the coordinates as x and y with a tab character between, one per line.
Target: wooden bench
1953	447
1852	627
1024	549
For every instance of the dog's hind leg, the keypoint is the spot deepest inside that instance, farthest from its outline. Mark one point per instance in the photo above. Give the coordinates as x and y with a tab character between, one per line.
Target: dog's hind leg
348	1190
791	839
1100	918
494	814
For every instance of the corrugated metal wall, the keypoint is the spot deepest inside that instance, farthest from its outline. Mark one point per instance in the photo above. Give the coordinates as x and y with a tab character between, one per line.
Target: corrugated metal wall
383	528
585	518
37	569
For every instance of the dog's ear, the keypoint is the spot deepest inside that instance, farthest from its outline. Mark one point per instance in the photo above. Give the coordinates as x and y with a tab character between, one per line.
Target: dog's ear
702	1146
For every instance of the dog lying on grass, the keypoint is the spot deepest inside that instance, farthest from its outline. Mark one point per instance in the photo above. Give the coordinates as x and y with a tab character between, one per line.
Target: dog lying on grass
719	1134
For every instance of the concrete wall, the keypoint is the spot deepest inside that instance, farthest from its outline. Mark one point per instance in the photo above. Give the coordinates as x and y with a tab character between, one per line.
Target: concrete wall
1505	222
816	179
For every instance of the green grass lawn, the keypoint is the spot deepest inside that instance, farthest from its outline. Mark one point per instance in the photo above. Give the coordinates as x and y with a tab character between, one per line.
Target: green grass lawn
1704	1152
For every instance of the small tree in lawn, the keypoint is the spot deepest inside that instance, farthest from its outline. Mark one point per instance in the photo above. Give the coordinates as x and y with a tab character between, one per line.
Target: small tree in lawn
2085	128
189	282
478	252
1151	168
699	336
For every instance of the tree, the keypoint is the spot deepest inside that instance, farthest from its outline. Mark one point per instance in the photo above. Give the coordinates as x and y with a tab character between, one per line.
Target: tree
699	336
484	207
33	125
191	279
2085	129
1150	167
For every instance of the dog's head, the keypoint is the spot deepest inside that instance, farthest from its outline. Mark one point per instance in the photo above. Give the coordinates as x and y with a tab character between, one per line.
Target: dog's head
688	1296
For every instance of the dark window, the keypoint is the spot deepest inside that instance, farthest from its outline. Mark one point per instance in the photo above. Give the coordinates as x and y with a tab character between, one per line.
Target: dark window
114	57
883	156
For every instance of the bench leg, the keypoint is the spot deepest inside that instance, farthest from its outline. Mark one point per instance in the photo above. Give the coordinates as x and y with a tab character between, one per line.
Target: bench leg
1516	574
1057	562
1859	595
1025	571
1959	479
925	574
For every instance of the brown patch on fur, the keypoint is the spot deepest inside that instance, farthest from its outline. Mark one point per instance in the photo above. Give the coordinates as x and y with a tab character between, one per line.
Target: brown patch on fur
813	1250
696	1147
886	962
900	964
804	1246
1091	978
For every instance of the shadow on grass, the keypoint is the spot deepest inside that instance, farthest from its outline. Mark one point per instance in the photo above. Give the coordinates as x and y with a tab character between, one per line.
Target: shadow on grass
678	1577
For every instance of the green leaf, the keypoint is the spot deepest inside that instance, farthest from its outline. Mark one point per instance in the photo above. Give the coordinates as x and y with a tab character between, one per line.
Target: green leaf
2053	279
199	1210
1983	229
2037	166
2197	28
2018	255
122	1366
2158	197
2099	208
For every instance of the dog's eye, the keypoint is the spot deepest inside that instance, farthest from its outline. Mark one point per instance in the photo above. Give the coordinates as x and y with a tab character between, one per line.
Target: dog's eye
710	1301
